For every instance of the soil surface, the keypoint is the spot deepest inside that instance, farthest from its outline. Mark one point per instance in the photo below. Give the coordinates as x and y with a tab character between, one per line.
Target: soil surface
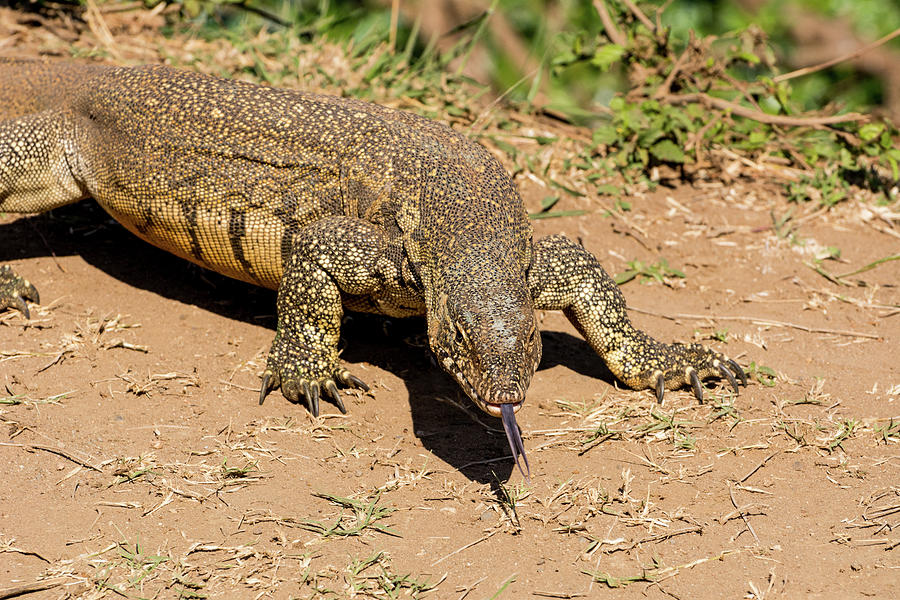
137	462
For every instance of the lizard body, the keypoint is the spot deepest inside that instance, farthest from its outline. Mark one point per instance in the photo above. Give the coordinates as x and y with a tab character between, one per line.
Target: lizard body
336	203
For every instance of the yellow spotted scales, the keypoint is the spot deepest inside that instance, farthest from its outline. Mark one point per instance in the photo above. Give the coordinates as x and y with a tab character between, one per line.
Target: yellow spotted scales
336	203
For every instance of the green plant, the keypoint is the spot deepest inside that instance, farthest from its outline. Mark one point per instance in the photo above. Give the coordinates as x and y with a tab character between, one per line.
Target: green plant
647	272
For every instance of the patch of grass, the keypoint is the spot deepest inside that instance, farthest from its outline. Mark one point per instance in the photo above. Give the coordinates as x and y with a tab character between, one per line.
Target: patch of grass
141	563
365	515
600	434
725	409
508	498
647	272
238	472
653	572
762	374
841	278
687	98
365	583
824	186
888	432
663	422
684	440
132	468
794	431
845	430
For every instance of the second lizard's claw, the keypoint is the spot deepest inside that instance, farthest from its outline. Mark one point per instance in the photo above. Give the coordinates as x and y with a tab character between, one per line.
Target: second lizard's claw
15	290
727	374
695	383
335	395
736	368
269	383
346	378
660	386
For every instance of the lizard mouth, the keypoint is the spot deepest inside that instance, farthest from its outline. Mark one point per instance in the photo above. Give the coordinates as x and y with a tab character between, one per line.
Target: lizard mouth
496	410
506	411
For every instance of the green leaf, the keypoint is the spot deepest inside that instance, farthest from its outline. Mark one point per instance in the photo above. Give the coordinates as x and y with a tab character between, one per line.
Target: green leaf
870	131
606	134
557	213
666	150
617	104
606	56
548	202
607	189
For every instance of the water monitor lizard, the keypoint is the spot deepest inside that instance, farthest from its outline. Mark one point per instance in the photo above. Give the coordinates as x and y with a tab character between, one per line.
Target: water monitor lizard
336	203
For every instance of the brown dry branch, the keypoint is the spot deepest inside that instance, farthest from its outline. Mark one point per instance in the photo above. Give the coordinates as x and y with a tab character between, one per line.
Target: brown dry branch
616	36
759	466
757	321
30	588
835	61
743	111
57	451
743	514
639	14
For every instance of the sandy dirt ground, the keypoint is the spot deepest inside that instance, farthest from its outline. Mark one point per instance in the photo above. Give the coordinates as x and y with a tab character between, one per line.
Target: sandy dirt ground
136	462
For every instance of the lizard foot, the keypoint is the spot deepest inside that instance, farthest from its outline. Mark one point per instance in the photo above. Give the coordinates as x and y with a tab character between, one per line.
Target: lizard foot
306	375
689	364
15	290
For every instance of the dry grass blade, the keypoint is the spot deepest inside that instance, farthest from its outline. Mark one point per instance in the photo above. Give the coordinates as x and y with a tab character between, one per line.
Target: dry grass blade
30	588
57	451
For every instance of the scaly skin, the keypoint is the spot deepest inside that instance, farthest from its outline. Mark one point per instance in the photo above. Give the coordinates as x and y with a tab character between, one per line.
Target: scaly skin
336	203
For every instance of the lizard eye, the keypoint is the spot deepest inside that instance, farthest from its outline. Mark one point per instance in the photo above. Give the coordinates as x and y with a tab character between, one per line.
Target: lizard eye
460	337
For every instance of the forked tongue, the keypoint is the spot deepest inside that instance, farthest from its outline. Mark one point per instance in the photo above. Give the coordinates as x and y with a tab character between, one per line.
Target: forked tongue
514	436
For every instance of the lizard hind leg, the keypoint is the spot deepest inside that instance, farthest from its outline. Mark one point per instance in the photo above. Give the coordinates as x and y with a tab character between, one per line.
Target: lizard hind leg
564	276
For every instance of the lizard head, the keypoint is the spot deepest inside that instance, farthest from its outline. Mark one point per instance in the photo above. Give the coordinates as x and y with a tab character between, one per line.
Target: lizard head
486	338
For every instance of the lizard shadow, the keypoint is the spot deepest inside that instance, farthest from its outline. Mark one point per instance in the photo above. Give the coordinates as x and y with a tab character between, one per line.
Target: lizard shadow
444	419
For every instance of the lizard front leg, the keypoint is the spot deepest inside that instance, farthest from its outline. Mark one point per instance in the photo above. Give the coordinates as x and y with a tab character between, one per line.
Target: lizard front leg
331	256
564	276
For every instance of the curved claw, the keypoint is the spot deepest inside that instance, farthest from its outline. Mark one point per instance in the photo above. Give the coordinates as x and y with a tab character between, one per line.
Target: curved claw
315	389
359	383
738	371
269	383
660	387
514	437
727	374
695	385
30	293
22	306
311	395
335	395
347	378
